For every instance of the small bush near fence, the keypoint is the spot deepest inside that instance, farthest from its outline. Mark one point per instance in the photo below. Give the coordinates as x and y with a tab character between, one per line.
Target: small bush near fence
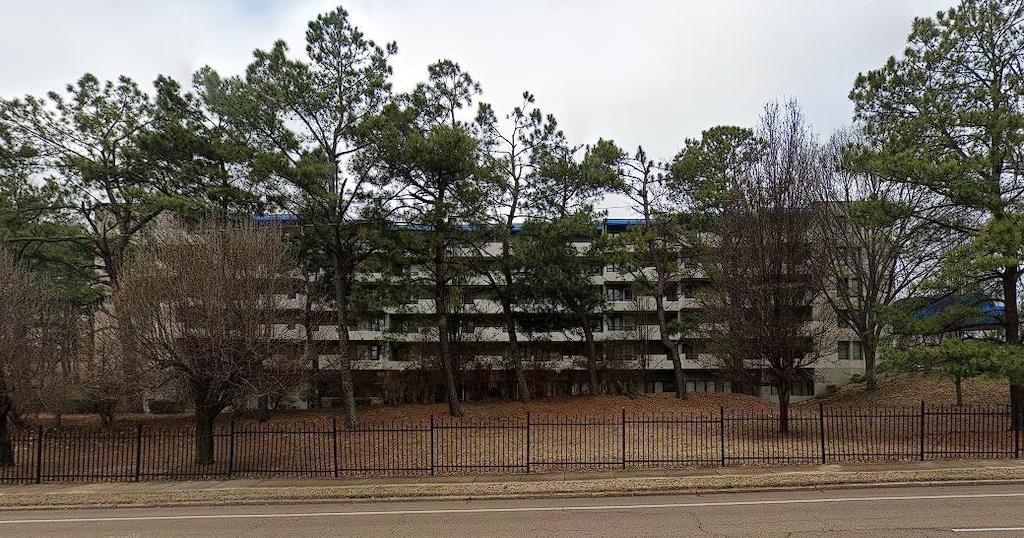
533	444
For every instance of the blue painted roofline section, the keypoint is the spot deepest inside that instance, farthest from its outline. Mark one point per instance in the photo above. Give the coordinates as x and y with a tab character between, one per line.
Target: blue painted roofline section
279	217
990	311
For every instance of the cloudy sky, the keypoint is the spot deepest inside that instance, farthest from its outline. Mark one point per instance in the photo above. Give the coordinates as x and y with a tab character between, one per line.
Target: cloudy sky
641	72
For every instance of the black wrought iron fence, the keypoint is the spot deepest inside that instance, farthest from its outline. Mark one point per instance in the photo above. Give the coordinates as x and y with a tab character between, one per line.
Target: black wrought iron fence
514	445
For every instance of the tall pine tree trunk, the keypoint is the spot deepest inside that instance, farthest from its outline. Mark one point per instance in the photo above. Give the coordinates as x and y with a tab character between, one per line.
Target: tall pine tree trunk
308	349
671	348
443	328
348	392
513	351
588	337
510	318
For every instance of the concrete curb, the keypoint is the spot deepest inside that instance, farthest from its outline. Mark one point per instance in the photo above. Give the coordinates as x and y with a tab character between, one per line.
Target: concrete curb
526	496
583	488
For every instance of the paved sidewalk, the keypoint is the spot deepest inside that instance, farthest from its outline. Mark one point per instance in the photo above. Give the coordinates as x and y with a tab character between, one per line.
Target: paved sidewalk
630	482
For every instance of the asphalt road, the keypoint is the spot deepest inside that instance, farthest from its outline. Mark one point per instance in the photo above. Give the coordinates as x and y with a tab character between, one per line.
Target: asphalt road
995	510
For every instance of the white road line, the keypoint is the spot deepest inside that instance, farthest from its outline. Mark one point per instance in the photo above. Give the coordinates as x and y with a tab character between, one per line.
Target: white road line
991	529
512	510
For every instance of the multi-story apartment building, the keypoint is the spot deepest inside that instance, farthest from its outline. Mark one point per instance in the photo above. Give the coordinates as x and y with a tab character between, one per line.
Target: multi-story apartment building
395	358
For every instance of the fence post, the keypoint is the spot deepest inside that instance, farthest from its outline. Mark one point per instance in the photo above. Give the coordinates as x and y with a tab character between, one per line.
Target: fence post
334	444
623	437
721	433
39	453
821	426
138	451
431	444
231	447
922	430
527	442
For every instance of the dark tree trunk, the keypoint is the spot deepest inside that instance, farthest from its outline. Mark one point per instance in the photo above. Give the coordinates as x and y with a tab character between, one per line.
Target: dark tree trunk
6	445
869	365
348	394
263	408
513	351
671	348
785	388
448	365
588	336
308	348
510	324
205	417
443	327
131	392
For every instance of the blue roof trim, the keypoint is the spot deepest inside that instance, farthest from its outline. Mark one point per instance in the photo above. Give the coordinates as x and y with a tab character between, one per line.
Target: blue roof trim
624	222
279	217
990	311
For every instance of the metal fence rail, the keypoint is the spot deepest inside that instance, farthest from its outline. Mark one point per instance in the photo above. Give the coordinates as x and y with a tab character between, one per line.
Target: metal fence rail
515	445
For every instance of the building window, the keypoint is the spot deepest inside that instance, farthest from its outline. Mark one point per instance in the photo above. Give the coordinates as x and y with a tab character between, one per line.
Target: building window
401	353
612	268
848	286
805	388
850	350
618	323
800	388
843	319
619	294
708	386
847	318
370	353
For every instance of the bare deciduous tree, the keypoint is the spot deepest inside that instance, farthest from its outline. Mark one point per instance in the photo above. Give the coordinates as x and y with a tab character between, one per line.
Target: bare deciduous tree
878	244
764	279
200	307
33	335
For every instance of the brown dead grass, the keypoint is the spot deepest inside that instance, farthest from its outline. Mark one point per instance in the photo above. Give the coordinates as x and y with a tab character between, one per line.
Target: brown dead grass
909	390
900	390
578	406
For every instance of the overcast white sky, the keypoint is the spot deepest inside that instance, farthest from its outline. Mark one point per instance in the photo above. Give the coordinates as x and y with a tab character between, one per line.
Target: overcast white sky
641	72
